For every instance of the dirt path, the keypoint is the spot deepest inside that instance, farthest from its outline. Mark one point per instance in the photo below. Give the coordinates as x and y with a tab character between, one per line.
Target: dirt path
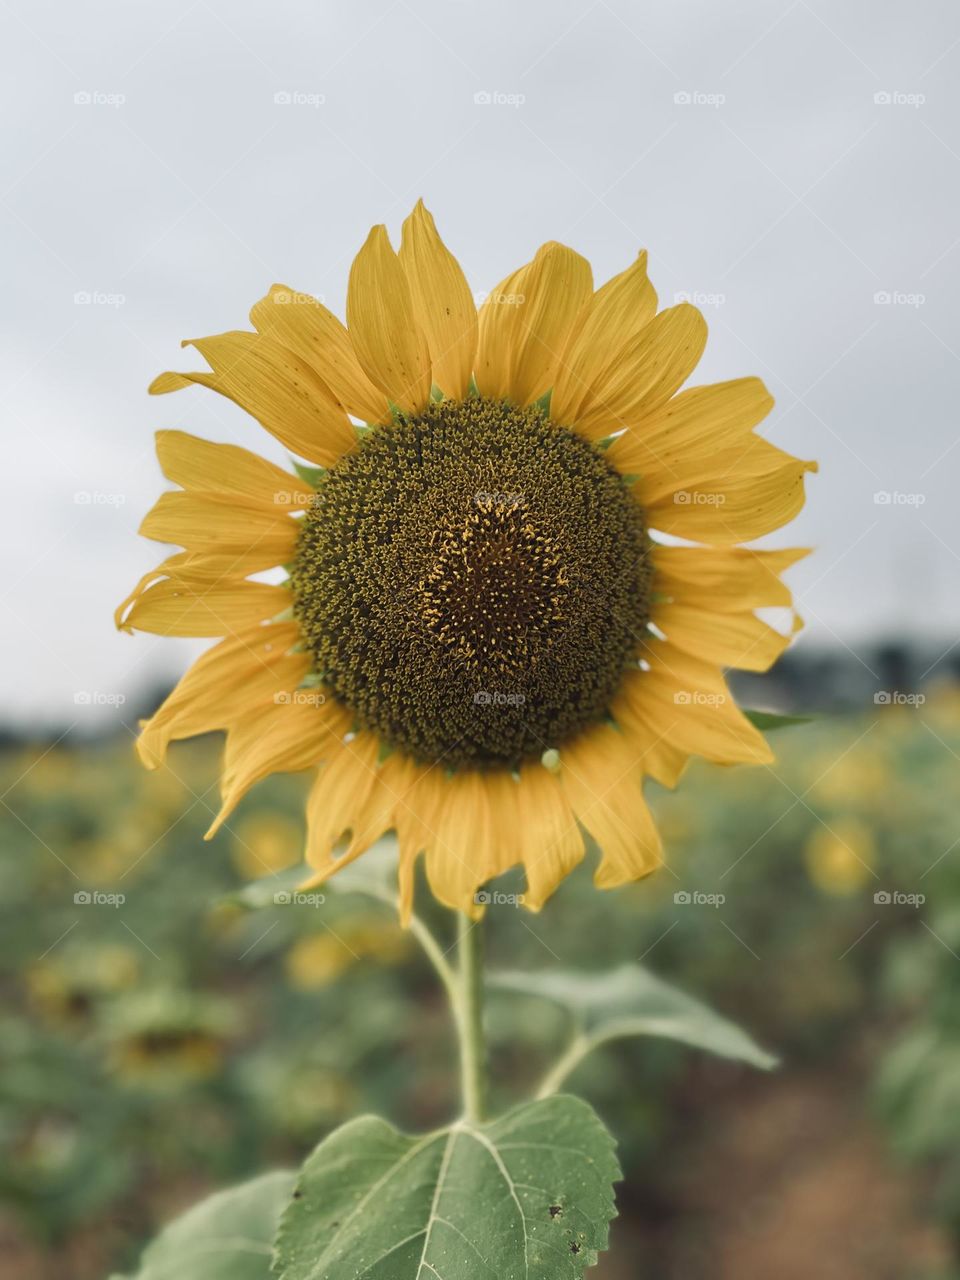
786	1180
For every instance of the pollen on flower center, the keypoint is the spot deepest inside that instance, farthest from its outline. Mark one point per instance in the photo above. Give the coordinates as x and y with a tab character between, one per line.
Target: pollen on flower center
472	583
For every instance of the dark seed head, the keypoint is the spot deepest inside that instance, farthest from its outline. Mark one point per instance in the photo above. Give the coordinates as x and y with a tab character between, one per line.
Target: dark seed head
472	583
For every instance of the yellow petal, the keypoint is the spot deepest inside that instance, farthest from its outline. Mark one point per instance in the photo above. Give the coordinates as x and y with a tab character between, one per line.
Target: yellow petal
305	326
442	302
283	736
201	569
274	386
695	424
602	775
648	371
730	639
525	324
460	853
687	702
551	843
611	321
201	522
383	326
727	579
657	756
736	504
175	607
234	675
211	468
338	798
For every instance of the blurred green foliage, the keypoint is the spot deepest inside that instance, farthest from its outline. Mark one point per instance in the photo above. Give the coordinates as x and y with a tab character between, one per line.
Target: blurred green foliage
158	1039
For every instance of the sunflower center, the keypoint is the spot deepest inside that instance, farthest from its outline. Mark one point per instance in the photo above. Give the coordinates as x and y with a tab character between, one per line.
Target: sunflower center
472	583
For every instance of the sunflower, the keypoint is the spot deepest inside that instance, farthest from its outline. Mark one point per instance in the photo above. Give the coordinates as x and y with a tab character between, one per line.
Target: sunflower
479	642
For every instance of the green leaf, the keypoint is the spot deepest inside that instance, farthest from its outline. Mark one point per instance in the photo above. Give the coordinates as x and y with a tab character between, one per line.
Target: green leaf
527	1197
309	475
374	875
632	1001
264	893
226	1237
768	720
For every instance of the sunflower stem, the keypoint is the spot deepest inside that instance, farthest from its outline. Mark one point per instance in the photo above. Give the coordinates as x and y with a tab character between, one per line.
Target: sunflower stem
473	1055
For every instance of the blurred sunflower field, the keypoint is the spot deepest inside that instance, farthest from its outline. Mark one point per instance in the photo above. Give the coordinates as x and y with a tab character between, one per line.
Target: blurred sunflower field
177	1018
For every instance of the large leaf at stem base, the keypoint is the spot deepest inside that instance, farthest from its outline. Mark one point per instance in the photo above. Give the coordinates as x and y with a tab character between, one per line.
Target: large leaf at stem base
526	1197
632	1001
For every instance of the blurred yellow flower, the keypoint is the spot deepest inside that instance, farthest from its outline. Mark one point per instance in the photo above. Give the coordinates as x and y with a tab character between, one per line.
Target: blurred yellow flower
167	1057
264	843
839	858
318	959
63	988
855	778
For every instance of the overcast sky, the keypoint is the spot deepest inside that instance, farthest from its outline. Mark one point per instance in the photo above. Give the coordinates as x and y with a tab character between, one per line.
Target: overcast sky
792	166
